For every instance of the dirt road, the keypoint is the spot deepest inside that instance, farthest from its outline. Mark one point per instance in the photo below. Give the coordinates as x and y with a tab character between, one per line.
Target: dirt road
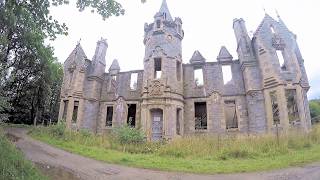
86	168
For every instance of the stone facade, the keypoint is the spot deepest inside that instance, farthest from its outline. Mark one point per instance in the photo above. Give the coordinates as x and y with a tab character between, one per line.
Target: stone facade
268	88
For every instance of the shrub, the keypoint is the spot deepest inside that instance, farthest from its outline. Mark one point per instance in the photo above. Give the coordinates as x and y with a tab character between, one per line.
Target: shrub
58	129
128	135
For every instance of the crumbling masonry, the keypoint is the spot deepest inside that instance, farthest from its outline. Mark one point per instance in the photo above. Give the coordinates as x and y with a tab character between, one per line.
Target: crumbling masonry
167	98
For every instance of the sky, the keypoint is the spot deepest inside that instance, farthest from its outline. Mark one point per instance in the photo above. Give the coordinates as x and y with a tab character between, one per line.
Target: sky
207	25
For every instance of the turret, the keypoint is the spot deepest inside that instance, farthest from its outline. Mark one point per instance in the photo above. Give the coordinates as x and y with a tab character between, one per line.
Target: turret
99	60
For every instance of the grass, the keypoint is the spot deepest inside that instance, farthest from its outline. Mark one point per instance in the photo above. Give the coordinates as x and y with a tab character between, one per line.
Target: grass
13	166
196	154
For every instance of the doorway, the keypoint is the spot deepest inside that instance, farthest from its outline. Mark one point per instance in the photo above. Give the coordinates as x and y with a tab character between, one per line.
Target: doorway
157	124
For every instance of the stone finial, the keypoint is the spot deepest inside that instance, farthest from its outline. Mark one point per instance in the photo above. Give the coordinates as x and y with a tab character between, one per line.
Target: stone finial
114	68
224	55
197	58
164	10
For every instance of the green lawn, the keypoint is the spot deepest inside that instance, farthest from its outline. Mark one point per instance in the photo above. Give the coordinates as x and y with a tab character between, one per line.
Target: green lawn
13	166
198	154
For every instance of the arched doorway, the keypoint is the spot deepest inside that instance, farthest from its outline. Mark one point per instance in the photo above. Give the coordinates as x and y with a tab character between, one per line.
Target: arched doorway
157	124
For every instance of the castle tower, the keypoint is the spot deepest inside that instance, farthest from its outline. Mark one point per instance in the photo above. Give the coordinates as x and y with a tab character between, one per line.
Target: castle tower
163	91
252	78
284	78
93	86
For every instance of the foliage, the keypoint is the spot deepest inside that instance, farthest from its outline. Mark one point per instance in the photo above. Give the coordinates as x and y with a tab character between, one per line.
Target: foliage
13	165
128	135
30	76
198	153
315	110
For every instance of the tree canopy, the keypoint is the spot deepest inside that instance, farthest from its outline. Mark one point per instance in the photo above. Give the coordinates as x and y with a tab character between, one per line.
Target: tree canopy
30	75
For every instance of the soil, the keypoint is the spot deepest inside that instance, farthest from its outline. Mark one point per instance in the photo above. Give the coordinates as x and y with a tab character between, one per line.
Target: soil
59	164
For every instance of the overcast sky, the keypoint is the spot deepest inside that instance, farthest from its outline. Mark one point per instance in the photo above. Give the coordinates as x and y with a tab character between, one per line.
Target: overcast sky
207	25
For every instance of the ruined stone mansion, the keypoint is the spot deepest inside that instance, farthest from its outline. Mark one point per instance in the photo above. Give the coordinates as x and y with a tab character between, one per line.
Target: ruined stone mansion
169	98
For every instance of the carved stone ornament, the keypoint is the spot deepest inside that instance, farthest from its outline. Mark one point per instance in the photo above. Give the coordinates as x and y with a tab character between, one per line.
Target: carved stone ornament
155	88
215	96
278	43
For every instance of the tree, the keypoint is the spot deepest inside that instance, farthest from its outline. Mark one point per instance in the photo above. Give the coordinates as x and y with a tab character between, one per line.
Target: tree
30	76
315	110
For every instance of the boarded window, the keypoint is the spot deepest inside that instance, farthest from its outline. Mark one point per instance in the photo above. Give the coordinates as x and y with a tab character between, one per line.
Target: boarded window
109	116
198	77
157	68
133	81
75	112
178	121
275	107
227	73
131	119
200	113
293	112
178	71
65	109
281	60
230	111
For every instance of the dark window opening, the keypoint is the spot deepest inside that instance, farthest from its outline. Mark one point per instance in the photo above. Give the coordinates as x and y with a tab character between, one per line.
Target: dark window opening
200	113
109	116
131	120
292	107
157	68
230	111
275	108
178	71
158	24
65	109
75	112
178	121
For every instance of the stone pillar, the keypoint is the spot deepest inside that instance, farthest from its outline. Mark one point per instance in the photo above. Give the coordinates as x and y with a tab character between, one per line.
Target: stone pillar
69	112
283	110
61	109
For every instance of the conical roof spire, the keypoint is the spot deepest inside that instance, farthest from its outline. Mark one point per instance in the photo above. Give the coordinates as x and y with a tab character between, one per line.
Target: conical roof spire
224	55
164	10
197	58
114	65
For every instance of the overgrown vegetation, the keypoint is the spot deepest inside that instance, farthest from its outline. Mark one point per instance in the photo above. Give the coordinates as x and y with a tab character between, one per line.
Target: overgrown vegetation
315	110
198	154
13	166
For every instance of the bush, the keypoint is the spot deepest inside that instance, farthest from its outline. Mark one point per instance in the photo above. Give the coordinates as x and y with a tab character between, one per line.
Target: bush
58	129
315	111
128	135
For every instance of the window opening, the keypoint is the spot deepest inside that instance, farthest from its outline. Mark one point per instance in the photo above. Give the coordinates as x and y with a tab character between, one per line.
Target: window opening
157	68
230	111
64	115
200	113
281	59
198	77
134	81
292	107
178	121
226	73
109	116
75	112
131	119
178	71
275	107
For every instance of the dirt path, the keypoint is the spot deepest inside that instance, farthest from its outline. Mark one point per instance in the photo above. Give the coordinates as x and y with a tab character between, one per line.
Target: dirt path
86	168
